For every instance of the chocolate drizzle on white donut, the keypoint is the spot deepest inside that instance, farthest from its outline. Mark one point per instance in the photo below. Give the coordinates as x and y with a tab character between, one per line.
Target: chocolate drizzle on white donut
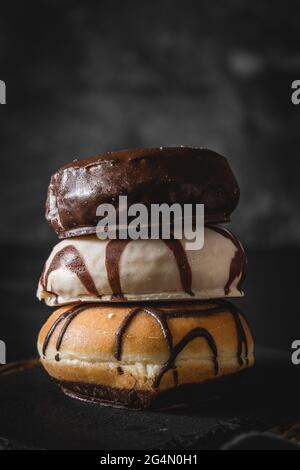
238	262
113	253
183	264
114	250
70	258
161	316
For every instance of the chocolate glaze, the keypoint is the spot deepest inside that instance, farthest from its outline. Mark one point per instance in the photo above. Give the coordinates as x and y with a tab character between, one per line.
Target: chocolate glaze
70	257
183	264
113	253
149	176
161	317
239	261
105	395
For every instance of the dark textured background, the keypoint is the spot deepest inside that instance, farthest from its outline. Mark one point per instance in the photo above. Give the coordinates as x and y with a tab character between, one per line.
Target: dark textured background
86	77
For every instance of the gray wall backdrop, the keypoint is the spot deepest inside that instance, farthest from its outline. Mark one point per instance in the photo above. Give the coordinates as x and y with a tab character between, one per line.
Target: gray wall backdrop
85	77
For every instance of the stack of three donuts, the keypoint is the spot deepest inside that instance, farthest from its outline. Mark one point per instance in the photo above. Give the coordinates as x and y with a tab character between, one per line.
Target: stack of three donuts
137	322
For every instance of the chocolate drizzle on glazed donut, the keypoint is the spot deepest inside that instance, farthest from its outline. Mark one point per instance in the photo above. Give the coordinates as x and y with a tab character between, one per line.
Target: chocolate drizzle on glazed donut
69	316
242	344
238	262
114	250
194	333
70	258
154	313
161	317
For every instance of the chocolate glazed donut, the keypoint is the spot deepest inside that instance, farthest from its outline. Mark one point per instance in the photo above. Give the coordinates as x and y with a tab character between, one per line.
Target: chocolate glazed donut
148	176
161	317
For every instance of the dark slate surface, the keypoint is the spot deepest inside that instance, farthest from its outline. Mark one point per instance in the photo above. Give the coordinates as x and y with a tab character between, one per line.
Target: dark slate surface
33	411
259	441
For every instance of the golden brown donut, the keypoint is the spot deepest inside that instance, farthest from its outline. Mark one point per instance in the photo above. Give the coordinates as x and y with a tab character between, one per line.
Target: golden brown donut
129	354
